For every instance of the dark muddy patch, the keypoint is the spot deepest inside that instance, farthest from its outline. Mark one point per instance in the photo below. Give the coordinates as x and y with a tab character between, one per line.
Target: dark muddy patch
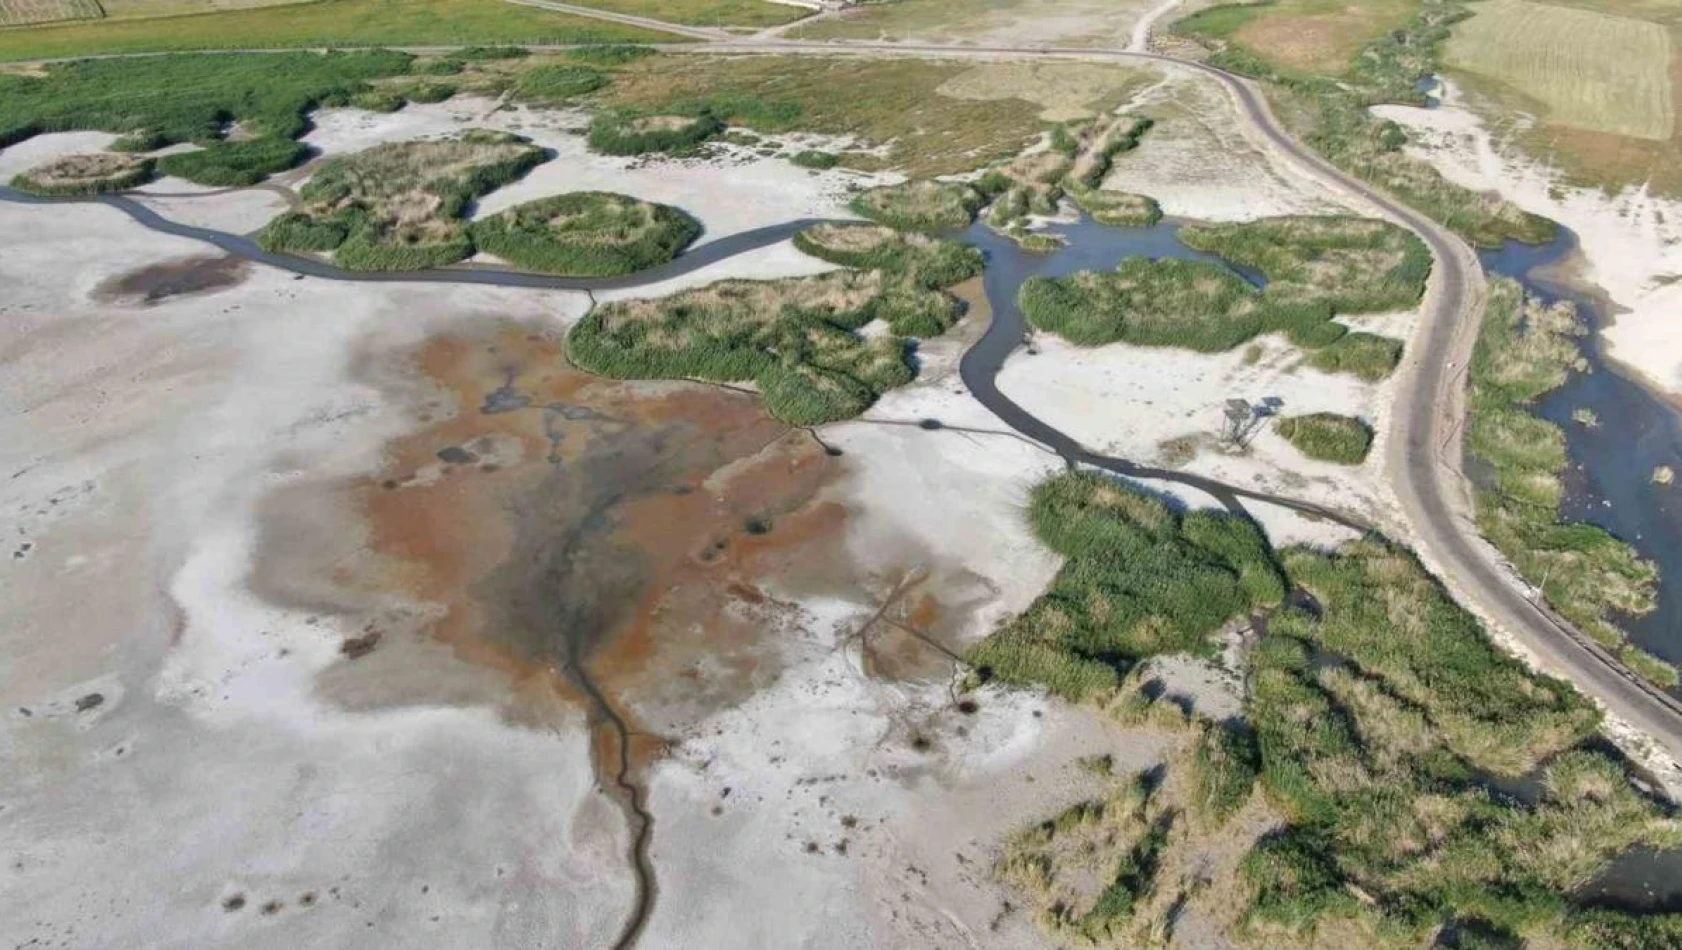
193	275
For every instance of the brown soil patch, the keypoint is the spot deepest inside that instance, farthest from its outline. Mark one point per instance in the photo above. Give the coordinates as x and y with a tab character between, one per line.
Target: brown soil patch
192	275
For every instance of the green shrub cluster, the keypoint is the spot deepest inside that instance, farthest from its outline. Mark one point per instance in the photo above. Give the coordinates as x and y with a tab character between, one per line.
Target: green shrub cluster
1327	436
920	205
235	164
379	99
1331	113
794	339
586	234
1224	765
1139	580
635	133
1524	350
1382	713
610	54
162	100
398	206
428	91
551	84
813	158
1315	268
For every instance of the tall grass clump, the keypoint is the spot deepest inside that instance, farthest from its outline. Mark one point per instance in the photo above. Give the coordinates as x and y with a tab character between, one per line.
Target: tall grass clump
75	175
1331	114
235	164
1524	350
920	205
166	100
552	84
1314	269
1327	436
795	339
634	133
610	54
925	261
586	234
1139	580
398	206
1382	716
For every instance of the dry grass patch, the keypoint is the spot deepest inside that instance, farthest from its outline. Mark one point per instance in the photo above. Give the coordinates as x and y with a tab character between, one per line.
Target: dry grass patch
1590	70
86	175
1305	37
1064	91
891	106
27	12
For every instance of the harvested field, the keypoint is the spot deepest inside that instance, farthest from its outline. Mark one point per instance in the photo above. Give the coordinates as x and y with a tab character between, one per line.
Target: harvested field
86	175
137	9
1590	70
28	12
398	206
590	233
1306	37
1022	22
757	13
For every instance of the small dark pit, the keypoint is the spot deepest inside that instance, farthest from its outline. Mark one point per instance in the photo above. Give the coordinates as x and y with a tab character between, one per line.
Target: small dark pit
90	701
757	526
931	424
355	648
233	902
456	455
968	707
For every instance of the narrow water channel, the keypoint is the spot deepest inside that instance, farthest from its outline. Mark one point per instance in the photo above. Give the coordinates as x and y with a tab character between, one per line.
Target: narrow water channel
1609	481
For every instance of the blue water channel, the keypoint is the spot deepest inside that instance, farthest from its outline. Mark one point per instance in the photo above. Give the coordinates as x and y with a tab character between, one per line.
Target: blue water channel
1609	480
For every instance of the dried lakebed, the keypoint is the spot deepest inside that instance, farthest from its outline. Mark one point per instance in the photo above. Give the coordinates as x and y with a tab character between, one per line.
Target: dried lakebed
556	516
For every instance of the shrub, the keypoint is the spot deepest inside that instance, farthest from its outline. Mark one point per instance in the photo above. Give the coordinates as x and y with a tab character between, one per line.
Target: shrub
479	54
382	99
587	234
429	92
1367	355
1327	436
611	54
235	164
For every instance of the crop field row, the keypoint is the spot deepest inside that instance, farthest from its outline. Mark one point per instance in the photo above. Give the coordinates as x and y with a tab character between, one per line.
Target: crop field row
1591	70
26	12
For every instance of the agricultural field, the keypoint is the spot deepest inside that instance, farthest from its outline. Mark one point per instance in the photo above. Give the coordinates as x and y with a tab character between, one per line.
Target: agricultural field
1589	70
720	13
323	23
920	117
1016	22
29	12
1304	37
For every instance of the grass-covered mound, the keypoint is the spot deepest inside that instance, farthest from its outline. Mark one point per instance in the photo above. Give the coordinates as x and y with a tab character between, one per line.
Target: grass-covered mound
398	206
1139	580
633	133
924	260
920	205
86	175
1117	208
1378	722
1315	268
586	234
159	101
546	85
1073	166
1327	436
1525	349
794	339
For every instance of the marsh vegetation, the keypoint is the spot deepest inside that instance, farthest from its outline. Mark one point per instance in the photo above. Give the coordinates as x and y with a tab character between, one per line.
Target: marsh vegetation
1327	436
86	175
920	205
1315	268
1525	349
1384	731
586	234
399	205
